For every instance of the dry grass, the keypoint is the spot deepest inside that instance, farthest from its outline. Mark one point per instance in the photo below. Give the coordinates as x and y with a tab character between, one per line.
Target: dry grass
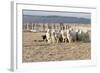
35	51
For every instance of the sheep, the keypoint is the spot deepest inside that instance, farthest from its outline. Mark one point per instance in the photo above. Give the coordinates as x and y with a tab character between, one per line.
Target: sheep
53	38
64	35
82	36
69	36
44	38
80	33
48	36
73	34
58	36
88	36
77	30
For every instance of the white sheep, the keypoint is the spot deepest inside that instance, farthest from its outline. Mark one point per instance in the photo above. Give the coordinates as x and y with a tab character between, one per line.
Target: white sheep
48	35
69	36
64	35
53	38
58	36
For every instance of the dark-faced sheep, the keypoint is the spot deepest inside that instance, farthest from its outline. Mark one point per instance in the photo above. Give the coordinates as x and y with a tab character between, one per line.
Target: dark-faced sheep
44	38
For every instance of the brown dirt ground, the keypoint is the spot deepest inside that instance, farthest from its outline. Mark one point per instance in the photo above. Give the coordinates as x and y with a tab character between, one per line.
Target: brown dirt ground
35	51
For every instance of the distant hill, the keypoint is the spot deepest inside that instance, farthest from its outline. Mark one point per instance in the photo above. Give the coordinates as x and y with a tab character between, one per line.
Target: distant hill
54	19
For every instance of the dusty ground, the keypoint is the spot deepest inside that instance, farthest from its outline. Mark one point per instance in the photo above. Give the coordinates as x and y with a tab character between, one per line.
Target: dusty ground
37	51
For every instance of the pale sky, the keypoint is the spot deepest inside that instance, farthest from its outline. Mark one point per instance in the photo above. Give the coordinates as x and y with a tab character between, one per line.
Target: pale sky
52	13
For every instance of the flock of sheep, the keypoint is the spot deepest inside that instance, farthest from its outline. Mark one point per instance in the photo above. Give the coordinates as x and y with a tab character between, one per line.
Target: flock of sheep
68	35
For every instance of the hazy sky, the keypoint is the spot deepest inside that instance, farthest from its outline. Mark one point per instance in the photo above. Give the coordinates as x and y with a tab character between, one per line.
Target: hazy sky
51	13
